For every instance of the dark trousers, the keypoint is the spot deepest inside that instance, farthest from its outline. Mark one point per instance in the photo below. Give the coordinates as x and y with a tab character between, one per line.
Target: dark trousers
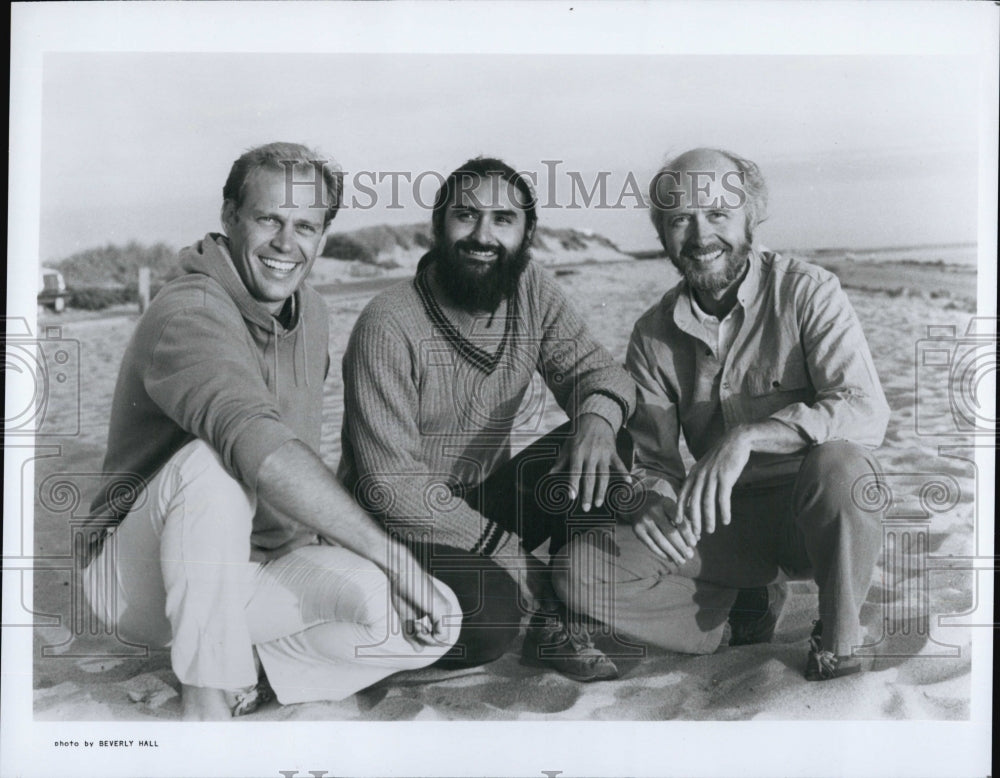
525	500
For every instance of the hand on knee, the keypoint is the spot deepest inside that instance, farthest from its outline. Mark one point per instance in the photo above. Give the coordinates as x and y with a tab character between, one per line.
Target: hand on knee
450	616
838	475
839	462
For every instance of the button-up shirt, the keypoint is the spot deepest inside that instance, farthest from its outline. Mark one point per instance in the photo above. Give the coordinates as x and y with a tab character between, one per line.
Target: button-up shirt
720	333
797	354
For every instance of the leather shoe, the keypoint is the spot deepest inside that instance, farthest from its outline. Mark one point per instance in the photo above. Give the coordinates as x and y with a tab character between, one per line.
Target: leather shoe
824	665
550	643
754	615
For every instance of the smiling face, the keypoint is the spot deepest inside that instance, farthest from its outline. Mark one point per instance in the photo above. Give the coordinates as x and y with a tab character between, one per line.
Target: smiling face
705	228
273	244
482	243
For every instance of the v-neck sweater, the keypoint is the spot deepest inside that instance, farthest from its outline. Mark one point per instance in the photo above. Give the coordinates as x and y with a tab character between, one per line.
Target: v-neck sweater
432	394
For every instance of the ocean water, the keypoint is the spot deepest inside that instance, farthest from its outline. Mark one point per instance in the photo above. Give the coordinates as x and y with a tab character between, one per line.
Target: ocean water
962	254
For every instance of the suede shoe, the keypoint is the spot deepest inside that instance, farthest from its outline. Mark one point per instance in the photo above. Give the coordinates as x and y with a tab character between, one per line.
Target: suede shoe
550	643
754	615
243	702
246	701
824	665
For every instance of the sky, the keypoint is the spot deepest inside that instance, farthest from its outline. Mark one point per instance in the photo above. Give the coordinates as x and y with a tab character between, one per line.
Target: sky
859	151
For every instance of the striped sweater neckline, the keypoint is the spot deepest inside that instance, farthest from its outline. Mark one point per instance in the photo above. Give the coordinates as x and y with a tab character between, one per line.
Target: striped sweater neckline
478	357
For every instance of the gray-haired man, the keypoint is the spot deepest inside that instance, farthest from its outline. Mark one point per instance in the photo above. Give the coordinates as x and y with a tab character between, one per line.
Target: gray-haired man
761	362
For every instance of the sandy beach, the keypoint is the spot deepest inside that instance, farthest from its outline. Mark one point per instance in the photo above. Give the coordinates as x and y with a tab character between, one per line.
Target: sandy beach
921	668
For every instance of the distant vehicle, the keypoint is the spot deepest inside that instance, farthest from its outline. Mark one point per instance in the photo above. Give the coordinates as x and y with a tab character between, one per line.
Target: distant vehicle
52	292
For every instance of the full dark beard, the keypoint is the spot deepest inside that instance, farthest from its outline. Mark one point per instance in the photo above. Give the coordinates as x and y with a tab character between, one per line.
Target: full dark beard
480	289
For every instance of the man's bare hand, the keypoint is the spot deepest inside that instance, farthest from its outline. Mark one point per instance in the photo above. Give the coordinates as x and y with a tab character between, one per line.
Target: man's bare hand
676	543
705	496
588	459
420	603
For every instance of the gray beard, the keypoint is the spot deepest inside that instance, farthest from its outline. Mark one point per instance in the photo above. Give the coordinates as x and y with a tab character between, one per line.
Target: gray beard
713	282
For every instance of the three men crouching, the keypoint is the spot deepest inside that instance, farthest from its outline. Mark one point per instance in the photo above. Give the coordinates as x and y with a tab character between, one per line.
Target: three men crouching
247	556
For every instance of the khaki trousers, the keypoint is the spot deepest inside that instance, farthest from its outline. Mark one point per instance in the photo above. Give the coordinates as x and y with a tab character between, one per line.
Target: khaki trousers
176	572
813	527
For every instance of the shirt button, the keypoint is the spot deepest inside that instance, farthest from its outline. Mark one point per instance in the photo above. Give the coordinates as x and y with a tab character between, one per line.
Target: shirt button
725	384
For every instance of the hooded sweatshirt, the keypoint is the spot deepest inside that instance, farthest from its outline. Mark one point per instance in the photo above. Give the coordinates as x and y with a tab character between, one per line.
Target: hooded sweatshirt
208	361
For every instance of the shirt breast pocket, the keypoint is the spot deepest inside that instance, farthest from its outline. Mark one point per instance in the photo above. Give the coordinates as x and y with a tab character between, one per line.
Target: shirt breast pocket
779	379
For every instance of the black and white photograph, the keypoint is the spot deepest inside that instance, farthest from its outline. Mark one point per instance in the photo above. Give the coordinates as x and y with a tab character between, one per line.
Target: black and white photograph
481	388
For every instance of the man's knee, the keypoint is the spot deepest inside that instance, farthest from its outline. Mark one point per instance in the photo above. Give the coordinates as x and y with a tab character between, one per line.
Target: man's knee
380	617
839	465
842	475
451	617
478	645
447	612
585	575
197	478
489	600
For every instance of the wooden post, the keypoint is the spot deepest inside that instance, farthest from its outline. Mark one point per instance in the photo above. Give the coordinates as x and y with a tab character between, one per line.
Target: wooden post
143	289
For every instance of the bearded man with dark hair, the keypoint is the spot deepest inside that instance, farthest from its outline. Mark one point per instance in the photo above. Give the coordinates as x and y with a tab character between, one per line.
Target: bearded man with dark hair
482	288
435	373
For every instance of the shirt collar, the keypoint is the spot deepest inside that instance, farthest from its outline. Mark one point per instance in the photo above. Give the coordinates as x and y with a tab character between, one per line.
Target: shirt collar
750	286
689	316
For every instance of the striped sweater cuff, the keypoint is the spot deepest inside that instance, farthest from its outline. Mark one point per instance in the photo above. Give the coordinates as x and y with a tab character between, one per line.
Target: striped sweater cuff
606	405
493	539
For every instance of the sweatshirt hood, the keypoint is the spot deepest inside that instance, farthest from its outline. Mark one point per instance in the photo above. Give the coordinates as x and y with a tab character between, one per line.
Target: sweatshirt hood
210	256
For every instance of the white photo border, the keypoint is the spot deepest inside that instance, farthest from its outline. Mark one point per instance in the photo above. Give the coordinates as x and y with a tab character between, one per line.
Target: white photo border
465	748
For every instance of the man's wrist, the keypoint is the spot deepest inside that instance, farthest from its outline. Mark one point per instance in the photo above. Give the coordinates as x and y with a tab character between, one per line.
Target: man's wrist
596	415
747	435
607	406
397	560
767	436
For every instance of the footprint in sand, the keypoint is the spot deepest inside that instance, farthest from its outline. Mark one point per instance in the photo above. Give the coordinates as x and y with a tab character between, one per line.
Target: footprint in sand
92	665
395	709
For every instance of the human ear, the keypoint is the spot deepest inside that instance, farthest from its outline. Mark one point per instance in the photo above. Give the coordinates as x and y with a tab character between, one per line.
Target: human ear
228	215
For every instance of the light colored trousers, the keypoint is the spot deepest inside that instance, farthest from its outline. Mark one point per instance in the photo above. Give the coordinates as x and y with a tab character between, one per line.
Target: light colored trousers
814	526
177	572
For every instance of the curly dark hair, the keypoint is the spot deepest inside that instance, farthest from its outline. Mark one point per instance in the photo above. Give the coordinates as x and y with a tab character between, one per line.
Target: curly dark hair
475	170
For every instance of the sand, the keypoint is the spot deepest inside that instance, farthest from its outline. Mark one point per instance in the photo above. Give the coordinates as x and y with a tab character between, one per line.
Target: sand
922	670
